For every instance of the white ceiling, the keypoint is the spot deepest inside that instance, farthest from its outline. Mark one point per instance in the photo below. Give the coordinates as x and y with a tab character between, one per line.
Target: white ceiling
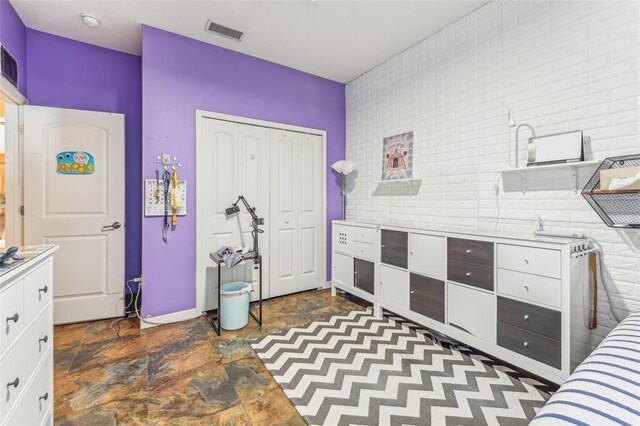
338	40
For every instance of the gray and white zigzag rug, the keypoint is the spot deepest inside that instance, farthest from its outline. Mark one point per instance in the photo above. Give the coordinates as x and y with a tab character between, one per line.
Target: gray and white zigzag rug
356	369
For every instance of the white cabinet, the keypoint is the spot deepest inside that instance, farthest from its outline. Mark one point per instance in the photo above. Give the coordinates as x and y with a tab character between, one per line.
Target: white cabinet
472	311
342	269
531	260
394	287
26	356
428	255
532	288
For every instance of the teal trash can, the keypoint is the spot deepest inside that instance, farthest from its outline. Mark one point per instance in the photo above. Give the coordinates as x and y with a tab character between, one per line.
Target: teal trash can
234	301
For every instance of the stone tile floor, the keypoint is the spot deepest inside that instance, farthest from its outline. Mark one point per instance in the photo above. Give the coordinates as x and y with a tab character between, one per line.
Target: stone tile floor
179	373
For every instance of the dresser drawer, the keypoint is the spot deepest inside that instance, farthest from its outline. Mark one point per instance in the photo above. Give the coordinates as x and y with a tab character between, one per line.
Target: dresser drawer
22	360
529	344
393	249
427	296
535	288
480	252
531	260
364	235
36	401
394	287
363	250
472	311
546	322
480	276
37	288
12	318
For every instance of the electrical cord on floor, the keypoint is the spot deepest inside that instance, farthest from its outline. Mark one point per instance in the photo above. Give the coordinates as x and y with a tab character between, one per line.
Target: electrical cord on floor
600	268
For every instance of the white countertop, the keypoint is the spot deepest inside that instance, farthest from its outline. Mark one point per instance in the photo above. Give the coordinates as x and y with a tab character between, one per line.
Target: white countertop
31	255
525	236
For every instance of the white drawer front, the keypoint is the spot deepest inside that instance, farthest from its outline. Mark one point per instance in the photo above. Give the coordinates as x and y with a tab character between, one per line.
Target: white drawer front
342	268
531	260
364	250
22	360
12	318
534	288
364	235
36	401
472	311
394	287
38	290
341	238
428	255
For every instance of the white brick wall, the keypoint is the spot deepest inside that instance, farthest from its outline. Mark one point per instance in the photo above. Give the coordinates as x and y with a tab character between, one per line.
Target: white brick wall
560	66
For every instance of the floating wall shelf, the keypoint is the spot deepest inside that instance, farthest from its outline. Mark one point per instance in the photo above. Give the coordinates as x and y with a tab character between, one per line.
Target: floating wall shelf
410	184
571	167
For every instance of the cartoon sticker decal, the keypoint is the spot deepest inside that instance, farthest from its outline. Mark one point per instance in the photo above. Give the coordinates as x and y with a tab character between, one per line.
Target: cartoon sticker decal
75	163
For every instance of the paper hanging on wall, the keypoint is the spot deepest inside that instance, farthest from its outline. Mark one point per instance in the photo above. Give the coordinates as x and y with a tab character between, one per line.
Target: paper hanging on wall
397	157
75	163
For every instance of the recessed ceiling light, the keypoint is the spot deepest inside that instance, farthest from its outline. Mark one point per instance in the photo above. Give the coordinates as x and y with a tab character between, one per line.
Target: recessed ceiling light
90	20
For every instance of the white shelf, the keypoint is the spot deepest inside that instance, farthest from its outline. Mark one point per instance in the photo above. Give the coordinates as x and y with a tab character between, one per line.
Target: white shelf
412	185
400	181
571	167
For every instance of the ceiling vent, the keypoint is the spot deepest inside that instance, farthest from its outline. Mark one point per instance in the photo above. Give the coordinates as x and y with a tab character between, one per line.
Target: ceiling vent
223	31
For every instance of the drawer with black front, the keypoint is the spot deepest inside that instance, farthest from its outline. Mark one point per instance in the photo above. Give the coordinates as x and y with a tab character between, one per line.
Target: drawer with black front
480	252
473	274
393	249
427	296
529	344
530	317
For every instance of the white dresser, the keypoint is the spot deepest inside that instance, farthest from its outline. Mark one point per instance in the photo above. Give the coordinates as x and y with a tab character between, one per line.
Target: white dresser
521	298
26	339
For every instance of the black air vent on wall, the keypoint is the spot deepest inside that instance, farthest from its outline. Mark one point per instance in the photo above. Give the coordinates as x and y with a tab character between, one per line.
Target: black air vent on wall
9	66
223	31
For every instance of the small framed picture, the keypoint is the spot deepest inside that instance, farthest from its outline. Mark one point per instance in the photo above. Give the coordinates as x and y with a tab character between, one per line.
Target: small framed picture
397	157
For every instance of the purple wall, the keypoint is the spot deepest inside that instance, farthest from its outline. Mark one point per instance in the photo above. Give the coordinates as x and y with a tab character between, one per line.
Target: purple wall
180	75
14	37
70	74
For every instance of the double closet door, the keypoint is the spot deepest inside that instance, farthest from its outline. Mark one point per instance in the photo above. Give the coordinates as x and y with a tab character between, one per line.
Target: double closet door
279	172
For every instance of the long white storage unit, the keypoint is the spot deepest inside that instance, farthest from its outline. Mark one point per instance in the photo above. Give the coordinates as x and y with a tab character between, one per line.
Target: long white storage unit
26	339
523	299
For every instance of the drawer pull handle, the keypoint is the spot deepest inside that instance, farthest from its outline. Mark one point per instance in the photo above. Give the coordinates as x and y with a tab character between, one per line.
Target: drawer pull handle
411	252
526	317
45	339
526	344
383	246
355	272
43	289
526	261
14	318
15	383
526	288
468	274
468	251
45	396
412	291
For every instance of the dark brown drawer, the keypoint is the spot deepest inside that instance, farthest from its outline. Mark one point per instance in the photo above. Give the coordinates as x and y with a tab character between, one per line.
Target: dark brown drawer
529	344
364	275
427	296
394	248
480	276
480	252
530	317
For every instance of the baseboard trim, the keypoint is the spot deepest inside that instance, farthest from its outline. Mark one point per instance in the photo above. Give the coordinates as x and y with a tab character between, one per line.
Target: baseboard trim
168	318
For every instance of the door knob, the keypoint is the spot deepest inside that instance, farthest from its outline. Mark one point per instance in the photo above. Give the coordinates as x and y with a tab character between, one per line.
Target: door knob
112	227
14	318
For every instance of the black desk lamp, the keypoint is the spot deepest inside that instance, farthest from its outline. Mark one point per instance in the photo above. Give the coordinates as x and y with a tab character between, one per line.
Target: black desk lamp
255	222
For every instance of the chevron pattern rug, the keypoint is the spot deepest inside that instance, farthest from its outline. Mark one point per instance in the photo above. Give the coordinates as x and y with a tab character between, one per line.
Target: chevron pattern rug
359	370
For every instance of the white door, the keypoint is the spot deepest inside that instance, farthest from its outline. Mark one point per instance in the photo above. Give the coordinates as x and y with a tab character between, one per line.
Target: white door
285	184
297	229
311	230
74	174
233	160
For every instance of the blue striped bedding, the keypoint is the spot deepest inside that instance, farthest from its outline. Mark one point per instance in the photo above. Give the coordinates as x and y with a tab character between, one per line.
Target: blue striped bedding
605	388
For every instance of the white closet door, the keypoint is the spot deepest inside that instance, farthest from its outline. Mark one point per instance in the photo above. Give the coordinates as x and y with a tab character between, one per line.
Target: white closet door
310	189
236	159
284	208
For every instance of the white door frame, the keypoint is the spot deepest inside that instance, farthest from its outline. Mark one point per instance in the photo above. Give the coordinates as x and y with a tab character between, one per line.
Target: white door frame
200	191
14	100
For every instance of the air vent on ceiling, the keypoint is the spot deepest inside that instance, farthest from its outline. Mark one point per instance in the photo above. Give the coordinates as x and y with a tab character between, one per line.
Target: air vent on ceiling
223	31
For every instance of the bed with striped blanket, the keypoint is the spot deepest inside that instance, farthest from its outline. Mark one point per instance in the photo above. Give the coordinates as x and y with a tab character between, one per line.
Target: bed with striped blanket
605	388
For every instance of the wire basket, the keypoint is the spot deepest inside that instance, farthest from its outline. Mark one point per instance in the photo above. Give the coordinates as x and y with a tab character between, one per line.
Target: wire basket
617	208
